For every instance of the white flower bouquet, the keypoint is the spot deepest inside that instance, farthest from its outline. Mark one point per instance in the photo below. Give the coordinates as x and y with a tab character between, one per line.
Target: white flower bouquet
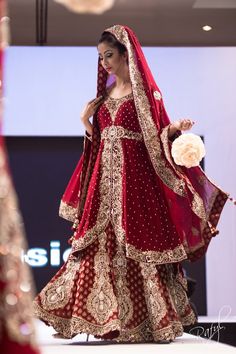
188	150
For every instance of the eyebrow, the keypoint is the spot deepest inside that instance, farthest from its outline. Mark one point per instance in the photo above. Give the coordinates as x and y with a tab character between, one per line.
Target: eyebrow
108	50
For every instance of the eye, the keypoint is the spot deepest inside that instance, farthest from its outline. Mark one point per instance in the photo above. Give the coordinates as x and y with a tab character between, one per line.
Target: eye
107	55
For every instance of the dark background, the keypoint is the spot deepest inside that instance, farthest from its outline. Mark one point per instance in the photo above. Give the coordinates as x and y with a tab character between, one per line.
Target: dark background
41	168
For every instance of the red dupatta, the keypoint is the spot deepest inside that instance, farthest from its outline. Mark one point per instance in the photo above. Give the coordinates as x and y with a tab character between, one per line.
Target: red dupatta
195	202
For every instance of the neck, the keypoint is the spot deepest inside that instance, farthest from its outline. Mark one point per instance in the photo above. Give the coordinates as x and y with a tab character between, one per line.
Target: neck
123	78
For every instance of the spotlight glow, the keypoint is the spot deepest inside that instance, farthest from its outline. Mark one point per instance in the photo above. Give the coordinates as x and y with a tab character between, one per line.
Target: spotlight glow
207	28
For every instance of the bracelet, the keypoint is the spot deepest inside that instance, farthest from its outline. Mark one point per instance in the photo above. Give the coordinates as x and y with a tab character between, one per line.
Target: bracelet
89	137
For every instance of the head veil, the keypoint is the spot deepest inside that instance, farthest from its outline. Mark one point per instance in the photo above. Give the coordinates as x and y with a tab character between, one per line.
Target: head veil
195	202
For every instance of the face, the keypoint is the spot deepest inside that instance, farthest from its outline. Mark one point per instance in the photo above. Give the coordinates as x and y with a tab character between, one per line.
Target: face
110	58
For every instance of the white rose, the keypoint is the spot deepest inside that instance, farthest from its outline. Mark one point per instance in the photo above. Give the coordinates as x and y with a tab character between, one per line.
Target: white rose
188	150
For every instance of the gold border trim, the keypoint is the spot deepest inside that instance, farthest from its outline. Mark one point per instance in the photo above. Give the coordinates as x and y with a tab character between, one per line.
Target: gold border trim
158	257
67	212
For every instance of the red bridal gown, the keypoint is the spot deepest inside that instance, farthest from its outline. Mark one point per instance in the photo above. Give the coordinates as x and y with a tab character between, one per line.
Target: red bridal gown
100	290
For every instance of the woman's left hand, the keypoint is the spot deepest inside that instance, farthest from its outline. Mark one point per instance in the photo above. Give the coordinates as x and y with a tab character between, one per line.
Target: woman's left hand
183	124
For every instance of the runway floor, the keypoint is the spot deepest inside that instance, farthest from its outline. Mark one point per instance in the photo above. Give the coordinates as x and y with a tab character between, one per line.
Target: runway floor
184	345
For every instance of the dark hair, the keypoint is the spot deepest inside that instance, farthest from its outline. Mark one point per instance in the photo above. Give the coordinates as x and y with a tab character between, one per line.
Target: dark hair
112	41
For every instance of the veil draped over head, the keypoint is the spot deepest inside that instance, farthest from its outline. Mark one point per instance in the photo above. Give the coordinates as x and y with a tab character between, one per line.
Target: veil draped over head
195	203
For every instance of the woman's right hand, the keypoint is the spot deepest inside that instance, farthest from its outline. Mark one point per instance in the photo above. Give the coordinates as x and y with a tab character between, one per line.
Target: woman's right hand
90	108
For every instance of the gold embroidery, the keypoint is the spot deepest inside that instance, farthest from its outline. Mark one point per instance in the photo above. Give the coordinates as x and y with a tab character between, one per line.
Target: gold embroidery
158	257
101	302
70	327
117	132
157	95
123	293
189	319
110	195
56	294
113	104
178	287
197	204
116	160
142	332
67	212
155	302
175	329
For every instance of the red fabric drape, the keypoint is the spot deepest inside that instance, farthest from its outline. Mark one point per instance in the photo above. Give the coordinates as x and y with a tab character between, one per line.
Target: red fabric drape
195	203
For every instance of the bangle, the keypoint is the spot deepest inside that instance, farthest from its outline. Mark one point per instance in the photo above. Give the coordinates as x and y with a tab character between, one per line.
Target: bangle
89	137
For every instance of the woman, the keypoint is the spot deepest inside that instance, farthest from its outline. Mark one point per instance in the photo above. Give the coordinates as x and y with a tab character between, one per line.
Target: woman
136	214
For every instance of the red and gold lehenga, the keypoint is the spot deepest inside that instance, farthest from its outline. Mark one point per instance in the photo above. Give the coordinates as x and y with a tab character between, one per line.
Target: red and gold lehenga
136	216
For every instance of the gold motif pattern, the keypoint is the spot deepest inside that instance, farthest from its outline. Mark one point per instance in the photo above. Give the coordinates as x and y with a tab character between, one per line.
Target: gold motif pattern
110	194
155	302
170	332
101	302
158	257
67	212
123	293
157	95
113	104
118	132
143	332
56	294
178	288
70	327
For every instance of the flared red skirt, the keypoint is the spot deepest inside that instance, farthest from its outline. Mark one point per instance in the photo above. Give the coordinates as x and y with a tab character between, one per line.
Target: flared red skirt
102	292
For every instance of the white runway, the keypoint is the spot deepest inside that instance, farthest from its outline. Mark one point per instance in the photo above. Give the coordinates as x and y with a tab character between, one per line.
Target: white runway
187	344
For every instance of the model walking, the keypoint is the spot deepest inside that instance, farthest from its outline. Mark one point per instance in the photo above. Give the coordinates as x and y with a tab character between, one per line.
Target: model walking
136	214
